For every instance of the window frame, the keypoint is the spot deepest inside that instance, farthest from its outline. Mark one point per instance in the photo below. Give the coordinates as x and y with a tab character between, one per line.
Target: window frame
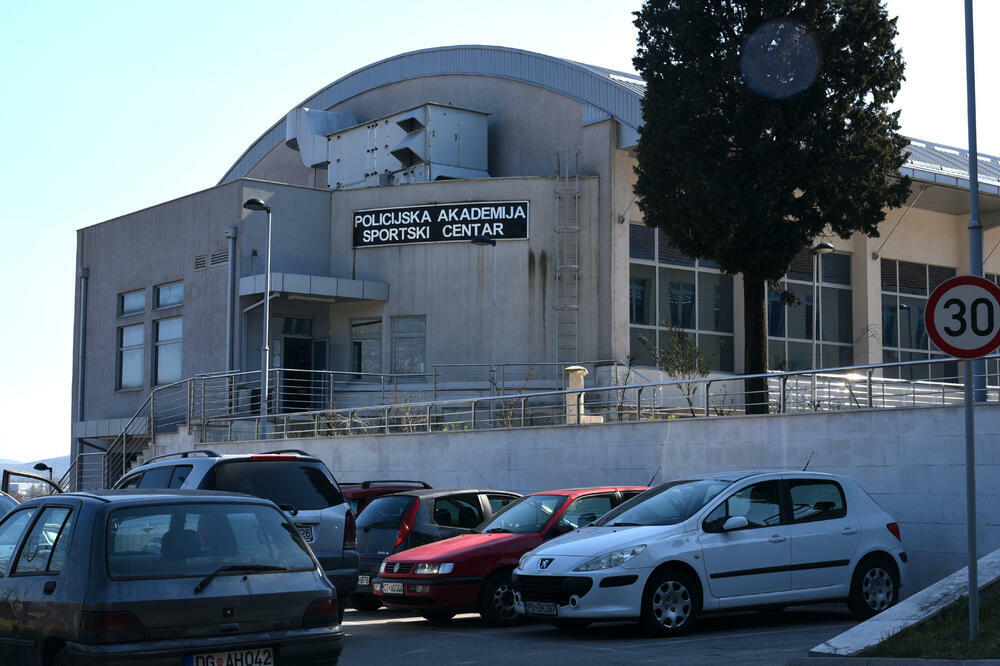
791	483
156	295
160	344
782	508
699	269
400	335
24	540
121	303
360	338
120	357
15	553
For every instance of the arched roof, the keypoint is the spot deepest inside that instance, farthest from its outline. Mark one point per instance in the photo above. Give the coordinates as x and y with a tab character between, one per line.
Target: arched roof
607	92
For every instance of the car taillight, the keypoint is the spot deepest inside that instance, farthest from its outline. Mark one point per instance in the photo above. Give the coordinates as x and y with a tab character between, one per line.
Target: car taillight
894	528
110	628
322	613
350	531
408	519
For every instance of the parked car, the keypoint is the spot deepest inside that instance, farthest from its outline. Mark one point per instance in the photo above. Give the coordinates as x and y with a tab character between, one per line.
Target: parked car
294	480
360	494
6	503
396	522
229	581
472	571
719	542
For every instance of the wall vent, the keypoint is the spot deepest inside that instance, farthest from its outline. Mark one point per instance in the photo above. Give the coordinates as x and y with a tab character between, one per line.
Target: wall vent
219	258
200	262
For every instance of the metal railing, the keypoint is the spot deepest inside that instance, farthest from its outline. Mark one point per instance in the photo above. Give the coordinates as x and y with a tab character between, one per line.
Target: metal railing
86	472
880	386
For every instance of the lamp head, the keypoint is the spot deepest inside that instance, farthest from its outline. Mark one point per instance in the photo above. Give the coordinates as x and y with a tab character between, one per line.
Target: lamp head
42	467
256	203
823	248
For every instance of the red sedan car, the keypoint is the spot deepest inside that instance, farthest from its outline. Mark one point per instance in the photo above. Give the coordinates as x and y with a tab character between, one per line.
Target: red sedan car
472	571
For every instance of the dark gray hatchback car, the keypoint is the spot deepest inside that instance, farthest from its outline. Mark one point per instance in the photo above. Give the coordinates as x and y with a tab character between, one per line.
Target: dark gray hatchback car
161	577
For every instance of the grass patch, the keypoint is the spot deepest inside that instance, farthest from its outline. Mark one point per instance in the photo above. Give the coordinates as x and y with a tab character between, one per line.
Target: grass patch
946	636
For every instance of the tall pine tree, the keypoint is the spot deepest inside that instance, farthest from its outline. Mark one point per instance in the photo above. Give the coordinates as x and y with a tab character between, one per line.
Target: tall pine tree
765	123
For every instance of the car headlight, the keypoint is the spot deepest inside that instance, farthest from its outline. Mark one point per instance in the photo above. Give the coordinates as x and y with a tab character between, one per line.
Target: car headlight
524	560
613	559
434	568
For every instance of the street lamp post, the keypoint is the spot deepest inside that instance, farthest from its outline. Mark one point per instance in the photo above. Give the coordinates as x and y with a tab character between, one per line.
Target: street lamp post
256	203
821	248
483	241
41	467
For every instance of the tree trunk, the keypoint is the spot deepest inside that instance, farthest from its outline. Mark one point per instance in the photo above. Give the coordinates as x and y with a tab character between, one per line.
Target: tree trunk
755	345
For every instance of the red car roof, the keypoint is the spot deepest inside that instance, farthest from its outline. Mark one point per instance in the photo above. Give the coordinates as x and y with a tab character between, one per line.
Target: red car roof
587	491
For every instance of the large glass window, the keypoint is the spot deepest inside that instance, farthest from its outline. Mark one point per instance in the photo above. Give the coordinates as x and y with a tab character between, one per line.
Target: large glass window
667	288
132	302
131	341
366	345
169	295
828	326
409	344
905	289
167	359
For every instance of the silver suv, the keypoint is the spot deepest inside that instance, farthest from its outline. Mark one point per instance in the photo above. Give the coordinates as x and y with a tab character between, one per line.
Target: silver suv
296	481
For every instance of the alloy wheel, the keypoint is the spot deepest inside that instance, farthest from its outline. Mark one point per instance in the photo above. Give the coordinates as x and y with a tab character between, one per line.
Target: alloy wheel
672	604
503	601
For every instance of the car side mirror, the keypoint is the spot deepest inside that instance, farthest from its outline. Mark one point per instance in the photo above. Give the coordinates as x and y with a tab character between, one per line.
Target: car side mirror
559	529
735	523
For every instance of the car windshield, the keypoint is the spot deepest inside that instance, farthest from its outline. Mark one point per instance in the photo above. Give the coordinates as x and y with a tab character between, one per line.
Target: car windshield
527	514
184	540
385	511
299	485
669	504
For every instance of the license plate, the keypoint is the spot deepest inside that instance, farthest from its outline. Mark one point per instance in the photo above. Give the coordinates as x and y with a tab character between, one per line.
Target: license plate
364	580
306	531
392	588
251	657
540	608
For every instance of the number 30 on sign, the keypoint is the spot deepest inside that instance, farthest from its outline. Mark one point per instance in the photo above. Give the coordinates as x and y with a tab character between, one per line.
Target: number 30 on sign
963	316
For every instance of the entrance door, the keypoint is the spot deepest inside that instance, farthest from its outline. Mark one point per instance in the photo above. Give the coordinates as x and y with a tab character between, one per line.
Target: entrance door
296	386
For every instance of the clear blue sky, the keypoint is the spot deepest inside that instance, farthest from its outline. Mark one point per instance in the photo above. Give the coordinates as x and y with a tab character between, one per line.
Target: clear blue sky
109	107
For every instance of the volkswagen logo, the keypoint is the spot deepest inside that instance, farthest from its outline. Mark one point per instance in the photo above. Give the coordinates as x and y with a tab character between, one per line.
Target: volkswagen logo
544	562
395	568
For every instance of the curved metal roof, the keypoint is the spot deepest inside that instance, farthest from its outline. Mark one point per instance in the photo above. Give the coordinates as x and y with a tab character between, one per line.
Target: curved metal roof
616	94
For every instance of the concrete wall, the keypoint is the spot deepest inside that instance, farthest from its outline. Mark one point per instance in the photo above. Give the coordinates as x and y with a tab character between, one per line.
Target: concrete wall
910	460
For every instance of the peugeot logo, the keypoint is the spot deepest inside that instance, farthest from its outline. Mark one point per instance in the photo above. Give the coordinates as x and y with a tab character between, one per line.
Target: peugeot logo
544	562
395	568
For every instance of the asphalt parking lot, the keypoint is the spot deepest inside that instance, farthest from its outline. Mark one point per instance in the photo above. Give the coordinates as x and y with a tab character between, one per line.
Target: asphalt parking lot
389	637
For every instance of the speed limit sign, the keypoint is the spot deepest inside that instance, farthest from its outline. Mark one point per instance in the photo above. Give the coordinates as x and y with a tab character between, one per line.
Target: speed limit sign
963	316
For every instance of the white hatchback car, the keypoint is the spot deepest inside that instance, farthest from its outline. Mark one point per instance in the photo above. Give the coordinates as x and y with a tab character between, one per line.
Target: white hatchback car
719	542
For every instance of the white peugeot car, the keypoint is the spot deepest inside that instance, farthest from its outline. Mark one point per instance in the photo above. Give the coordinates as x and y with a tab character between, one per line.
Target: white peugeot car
718	542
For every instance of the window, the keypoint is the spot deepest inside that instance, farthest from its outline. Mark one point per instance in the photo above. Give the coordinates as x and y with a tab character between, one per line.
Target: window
44	551
584	511
816	500
132	302
171	476
302	484
297	326
169	295
366	345
905	289
194	540
498	502
167	355
790	328
757	503
11	531
408	345
131	341
458	511
667	288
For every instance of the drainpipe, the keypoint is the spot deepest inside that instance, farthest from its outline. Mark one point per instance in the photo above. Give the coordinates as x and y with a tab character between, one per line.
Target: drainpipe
231	233
83	274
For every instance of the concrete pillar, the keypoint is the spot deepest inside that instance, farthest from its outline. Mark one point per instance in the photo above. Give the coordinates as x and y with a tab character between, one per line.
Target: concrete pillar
574	401
866	298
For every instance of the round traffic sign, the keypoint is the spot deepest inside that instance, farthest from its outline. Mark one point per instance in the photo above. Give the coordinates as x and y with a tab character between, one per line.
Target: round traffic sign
963	316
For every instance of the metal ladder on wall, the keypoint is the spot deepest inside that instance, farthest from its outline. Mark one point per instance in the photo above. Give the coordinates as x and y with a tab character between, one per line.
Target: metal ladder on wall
567	229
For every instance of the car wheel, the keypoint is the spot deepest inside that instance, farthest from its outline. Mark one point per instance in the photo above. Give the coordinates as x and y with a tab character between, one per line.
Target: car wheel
670	603
496	600
874	586
60	658
571	626
364	602
439	617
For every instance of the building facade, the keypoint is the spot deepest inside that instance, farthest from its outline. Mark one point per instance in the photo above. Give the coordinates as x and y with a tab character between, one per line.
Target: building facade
377	186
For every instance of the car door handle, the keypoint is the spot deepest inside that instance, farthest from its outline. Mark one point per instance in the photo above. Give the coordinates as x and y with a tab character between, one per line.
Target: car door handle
49	587
776	538
849	530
